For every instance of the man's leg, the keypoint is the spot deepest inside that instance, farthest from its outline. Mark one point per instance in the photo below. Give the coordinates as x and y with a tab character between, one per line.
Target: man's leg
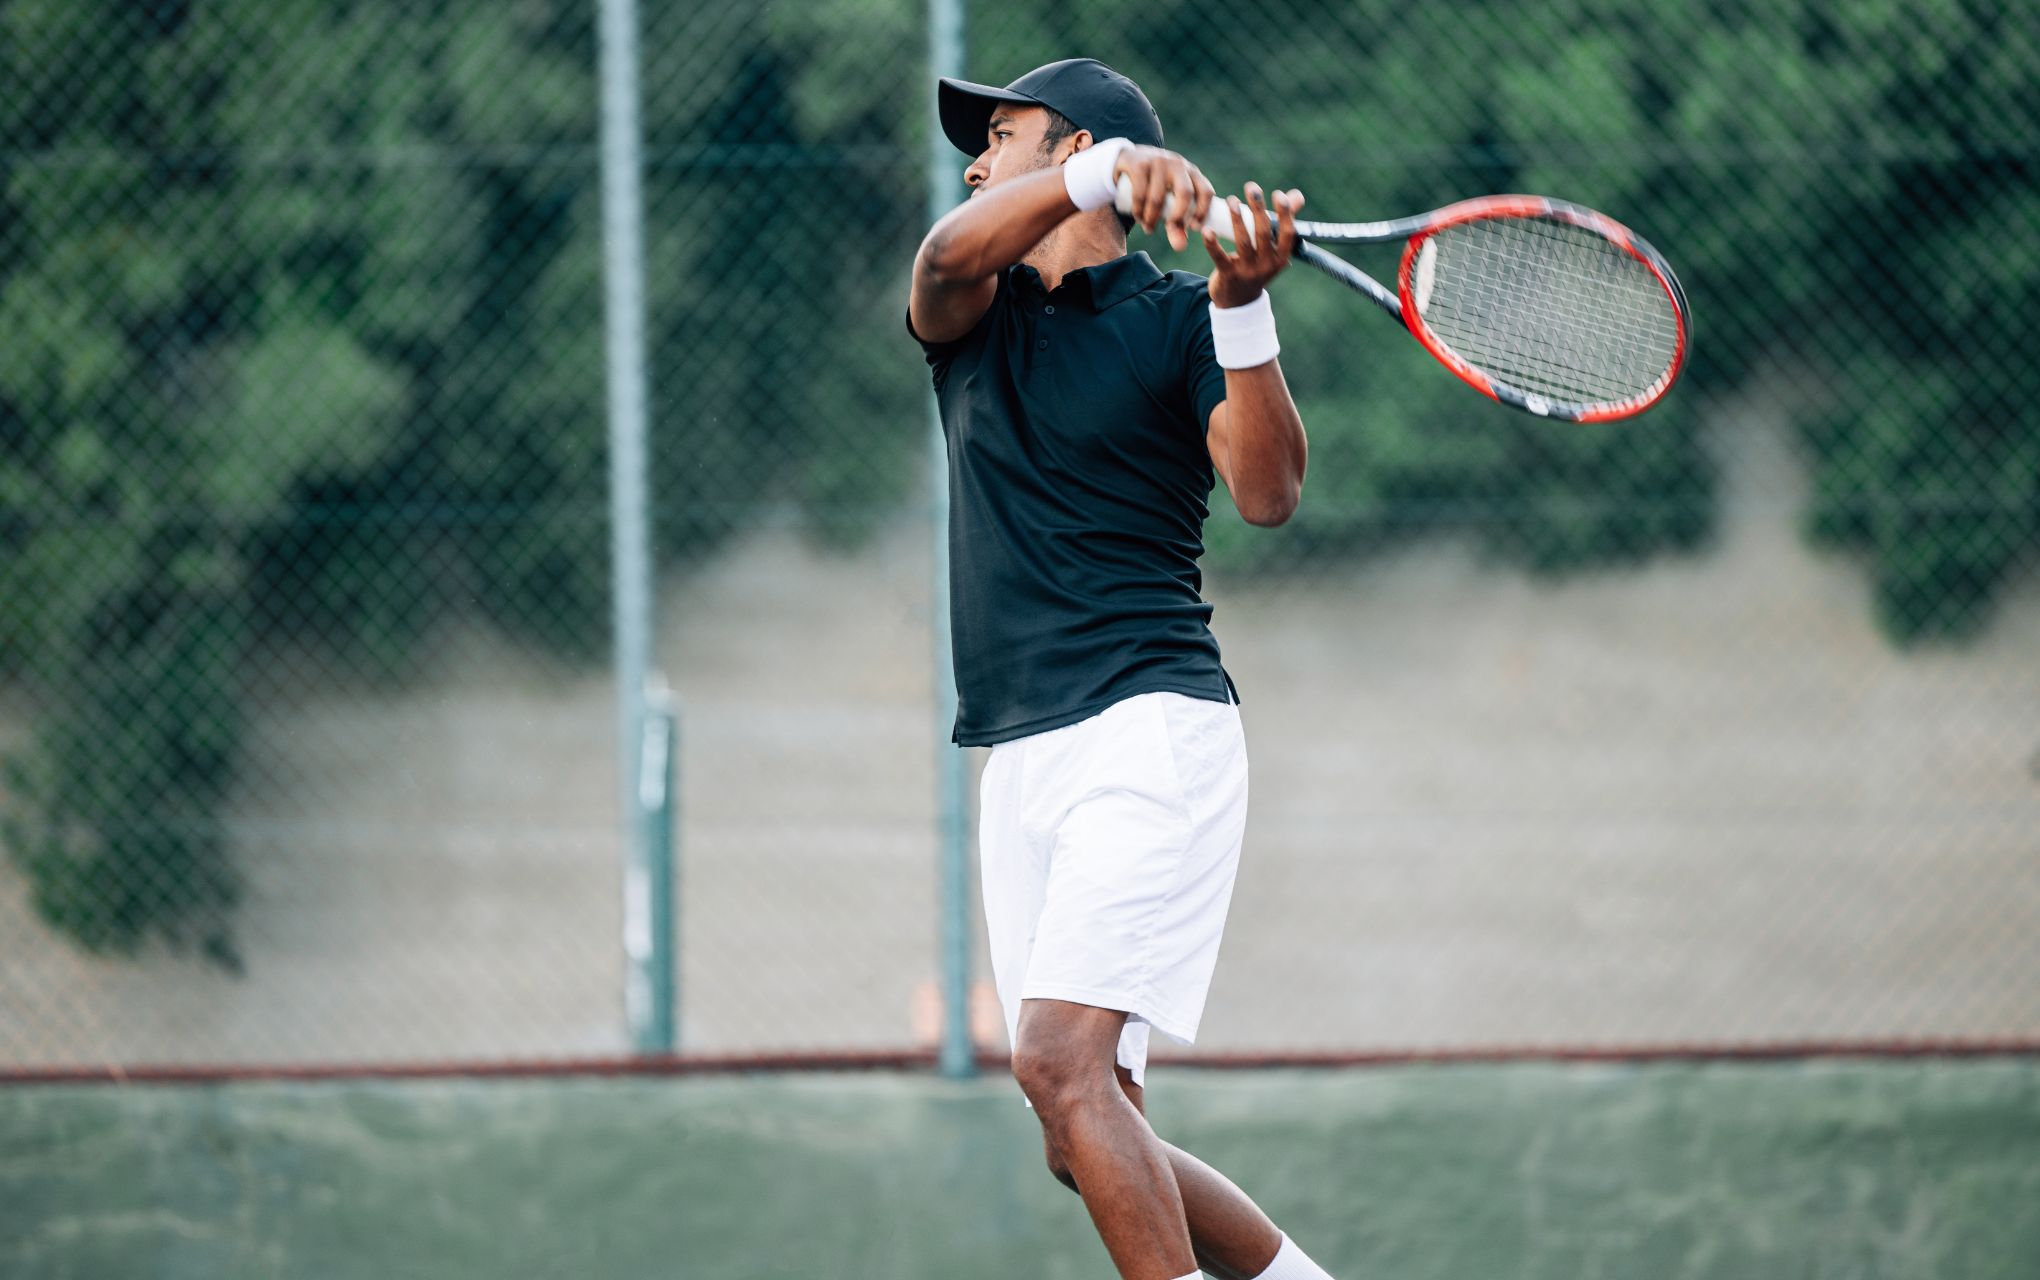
1229	1234
1064	1062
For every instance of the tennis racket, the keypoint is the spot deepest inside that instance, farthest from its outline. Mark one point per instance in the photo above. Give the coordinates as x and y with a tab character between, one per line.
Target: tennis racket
1546	306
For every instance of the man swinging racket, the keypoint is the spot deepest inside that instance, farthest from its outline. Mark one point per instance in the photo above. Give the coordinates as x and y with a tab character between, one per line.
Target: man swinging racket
1088	399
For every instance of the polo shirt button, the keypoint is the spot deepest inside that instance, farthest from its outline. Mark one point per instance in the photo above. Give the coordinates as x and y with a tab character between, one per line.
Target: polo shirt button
1048	311
1042	345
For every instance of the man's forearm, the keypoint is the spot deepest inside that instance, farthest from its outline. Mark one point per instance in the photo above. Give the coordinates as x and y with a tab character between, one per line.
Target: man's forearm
991	231
1266	451
1256	437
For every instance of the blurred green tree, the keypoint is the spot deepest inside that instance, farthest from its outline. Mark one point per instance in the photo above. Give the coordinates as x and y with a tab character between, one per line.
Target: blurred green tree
276	282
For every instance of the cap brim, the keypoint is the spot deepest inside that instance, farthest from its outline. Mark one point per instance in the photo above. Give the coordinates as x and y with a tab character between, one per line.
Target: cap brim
966	108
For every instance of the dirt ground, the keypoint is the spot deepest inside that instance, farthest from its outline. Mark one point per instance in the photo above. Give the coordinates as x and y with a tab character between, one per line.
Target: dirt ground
1703	801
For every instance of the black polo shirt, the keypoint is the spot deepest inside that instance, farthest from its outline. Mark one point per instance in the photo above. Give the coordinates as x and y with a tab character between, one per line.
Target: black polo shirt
1078	479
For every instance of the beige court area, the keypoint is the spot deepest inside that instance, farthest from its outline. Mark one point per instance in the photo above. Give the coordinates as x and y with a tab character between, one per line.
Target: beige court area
1703	801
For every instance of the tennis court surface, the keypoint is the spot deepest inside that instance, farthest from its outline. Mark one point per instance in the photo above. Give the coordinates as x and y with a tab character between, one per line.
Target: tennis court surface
1881	1170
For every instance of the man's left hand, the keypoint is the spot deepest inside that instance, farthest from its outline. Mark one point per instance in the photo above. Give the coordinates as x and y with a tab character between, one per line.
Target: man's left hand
1260	250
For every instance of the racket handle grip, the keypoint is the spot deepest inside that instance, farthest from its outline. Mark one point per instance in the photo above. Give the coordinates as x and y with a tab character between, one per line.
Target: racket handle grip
1124	201
1219	219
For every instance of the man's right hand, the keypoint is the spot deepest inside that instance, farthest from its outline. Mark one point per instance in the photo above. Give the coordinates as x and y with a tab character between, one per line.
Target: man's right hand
1155	174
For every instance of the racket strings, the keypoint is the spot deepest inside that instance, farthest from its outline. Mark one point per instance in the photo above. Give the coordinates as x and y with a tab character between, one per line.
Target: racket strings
1551	309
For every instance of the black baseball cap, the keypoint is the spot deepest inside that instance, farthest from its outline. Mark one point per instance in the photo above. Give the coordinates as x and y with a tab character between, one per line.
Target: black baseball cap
1092	95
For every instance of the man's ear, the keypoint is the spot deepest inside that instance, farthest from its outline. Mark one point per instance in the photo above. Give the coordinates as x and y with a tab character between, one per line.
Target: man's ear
1079	141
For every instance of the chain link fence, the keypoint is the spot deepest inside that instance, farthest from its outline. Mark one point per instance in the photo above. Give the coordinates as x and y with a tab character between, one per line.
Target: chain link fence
1716	727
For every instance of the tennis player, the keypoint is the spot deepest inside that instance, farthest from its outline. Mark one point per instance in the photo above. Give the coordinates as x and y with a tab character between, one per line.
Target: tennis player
1088	398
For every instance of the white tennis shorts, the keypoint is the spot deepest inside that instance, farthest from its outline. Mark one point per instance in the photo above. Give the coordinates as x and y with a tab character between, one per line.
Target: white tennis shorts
1108	851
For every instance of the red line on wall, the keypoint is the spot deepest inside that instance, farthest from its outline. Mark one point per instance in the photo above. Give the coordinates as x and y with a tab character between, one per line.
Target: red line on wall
655	1065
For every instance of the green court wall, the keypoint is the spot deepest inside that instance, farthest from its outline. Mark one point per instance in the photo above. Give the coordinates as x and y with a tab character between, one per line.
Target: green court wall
1833	1168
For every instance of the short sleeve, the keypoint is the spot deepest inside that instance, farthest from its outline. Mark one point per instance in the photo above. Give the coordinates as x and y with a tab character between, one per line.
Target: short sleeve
941	354
1205	376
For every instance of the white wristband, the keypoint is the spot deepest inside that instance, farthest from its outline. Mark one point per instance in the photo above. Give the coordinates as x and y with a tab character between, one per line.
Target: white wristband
1244	336
1087	175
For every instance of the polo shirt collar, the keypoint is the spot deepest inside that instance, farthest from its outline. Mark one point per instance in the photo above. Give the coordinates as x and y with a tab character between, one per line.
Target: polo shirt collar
1110	283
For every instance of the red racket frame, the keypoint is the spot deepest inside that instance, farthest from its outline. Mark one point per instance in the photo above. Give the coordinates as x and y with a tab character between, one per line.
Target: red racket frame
1487	208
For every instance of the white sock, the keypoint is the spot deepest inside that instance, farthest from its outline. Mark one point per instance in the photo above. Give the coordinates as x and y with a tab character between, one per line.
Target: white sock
1292	1263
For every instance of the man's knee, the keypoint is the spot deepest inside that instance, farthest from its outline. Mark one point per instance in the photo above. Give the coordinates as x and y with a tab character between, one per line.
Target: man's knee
1064	1054
1051	1076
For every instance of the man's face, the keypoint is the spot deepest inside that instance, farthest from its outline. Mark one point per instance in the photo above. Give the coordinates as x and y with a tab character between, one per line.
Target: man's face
1013	146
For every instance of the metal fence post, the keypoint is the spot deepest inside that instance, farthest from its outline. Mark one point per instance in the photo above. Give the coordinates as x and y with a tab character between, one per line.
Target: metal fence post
649	941
650	1017
945	58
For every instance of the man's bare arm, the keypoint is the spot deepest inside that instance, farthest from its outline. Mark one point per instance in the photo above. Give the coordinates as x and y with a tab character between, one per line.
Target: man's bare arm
956	270
1255	435
1257	444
